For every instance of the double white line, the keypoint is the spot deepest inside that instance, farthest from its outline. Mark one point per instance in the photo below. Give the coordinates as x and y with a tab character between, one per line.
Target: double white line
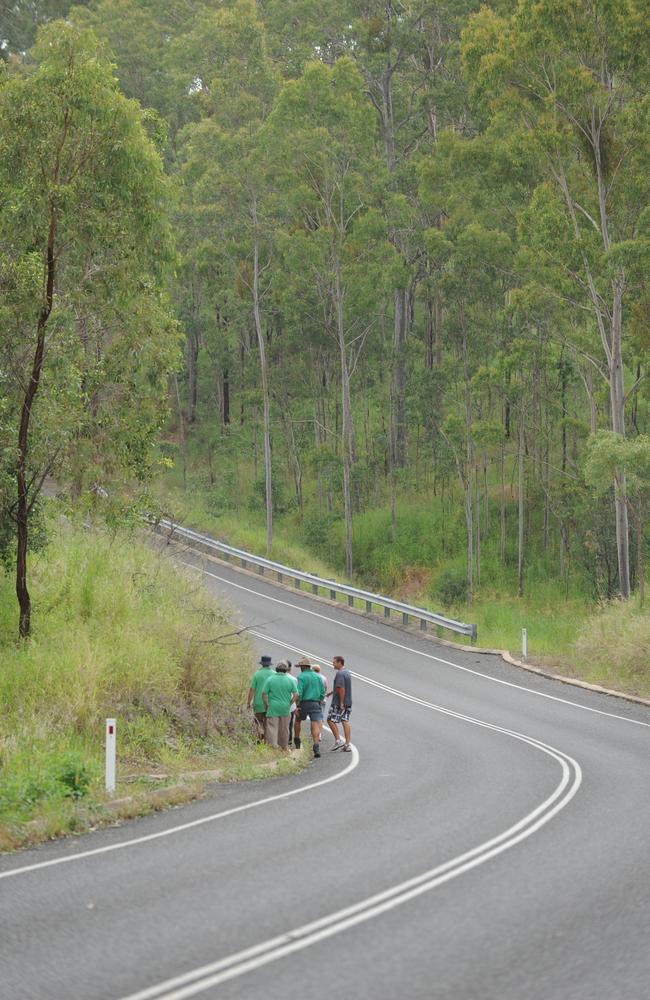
213	974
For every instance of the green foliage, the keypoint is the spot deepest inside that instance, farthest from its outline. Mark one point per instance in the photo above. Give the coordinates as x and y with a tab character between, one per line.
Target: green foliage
83	211
118	632
440	213
451	588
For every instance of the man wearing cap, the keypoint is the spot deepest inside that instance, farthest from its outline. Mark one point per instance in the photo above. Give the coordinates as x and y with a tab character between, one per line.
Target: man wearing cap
257	684
311	691
279	691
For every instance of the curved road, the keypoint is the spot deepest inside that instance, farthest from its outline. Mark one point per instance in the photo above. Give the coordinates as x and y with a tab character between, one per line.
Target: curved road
487	840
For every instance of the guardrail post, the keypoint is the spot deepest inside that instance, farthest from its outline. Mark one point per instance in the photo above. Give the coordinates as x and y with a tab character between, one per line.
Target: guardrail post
243	563
280	578
405	618
260	570
386	612
314	588
368	607
473	635
423	624
350	601
332	595
296	583
524	643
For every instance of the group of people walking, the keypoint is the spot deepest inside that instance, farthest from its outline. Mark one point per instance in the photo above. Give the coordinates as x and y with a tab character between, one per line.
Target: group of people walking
282	702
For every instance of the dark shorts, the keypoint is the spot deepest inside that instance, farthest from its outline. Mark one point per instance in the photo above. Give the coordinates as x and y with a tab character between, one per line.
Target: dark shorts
339	714
311	710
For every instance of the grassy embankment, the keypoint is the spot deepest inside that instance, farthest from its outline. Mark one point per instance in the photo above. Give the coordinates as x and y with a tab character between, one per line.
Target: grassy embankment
567	629
117	631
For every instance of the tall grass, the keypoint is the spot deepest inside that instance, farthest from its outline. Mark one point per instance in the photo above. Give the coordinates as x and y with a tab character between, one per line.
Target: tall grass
117	631
613	648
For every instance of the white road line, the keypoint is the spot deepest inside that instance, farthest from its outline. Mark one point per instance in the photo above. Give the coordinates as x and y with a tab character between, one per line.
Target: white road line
417	652
213	974
354	760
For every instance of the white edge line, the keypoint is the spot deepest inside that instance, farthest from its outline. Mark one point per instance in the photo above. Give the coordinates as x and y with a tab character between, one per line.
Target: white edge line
417	652
183	826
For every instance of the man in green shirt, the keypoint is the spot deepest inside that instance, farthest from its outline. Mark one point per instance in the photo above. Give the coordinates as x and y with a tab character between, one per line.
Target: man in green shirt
279	691
311	691
257	684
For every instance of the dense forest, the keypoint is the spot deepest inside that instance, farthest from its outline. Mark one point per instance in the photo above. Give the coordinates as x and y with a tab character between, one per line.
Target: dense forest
375	272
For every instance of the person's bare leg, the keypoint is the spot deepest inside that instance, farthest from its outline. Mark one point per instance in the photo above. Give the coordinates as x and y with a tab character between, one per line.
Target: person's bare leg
346	730
315	731
334	728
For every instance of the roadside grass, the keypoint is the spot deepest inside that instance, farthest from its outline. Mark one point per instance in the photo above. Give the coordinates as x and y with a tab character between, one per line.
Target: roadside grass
613	648
117	631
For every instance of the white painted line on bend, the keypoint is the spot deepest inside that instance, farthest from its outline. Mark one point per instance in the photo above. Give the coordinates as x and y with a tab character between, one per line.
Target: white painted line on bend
213	974
417	652
133	841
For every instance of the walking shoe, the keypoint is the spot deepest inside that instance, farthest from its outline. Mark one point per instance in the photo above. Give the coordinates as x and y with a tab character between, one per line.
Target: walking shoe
316	749
338	745
297	742
347	748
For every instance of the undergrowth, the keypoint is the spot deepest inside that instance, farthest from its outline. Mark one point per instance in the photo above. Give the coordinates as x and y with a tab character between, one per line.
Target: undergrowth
117	632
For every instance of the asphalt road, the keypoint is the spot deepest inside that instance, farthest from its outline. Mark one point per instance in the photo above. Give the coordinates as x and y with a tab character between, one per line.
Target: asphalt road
487	840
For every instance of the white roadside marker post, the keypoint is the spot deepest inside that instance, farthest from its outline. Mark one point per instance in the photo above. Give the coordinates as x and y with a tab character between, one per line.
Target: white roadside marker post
524	644
111	747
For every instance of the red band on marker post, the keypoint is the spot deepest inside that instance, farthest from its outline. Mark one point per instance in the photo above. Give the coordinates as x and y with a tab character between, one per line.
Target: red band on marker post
111	748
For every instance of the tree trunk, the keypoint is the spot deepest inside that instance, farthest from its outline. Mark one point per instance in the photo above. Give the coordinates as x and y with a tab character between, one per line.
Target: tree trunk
192	376
428	334
398	408
477	481
346	422
469	484
520	495
617	398
486	498
502	540
639	552
226	398
23	505
268	470
181	432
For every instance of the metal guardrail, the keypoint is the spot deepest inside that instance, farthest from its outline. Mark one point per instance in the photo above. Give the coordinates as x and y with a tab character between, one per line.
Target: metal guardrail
317	583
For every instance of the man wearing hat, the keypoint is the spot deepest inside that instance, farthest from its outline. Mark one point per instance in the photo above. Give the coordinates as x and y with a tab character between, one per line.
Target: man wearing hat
257	685
279	692
311	691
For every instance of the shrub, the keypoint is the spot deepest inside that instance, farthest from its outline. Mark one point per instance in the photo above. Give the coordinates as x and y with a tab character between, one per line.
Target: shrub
315	530
74	776
451	587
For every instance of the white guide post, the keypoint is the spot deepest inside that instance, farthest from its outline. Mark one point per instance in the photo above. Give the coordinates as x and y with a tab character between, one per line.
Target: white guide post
524	644
111	747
